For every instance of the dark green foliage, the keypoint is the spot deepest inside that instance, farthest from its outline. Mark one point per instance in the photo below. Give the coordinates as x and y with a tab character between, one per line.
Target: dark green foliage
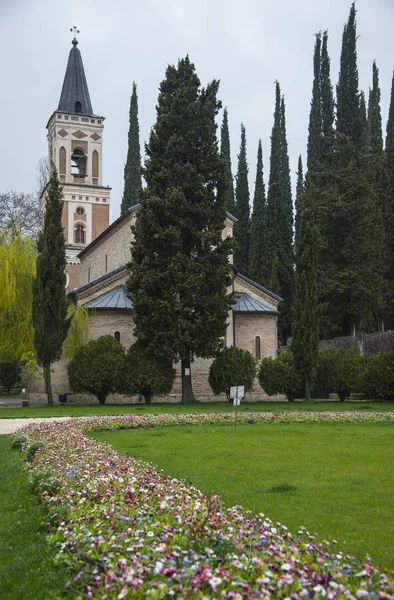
225	153
242	209
257	225
49	289
132	169
10	374
18	441
179	274
279	376
340	372
389	216
298	203
315	118
232	367
348	103
278	256
32	449
379	375
327	100
305	340
144	374
97	368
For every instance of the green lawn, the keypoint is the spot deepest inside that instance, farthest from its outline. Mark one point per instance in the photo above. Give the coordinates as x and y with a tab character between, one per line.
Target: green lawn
335	479
26	558
75	410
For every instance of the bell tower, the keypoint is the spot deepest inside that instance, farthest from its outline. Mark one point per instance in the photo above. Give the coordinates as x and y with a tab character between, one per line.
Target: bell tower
75	146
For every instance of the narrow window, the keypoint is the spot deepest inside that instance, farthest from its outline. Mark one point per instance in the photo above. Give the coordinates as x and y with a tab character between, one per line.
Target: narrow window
257	343
95	164
79	234
78	107
88	274
106	263
78	163
117	336
62	160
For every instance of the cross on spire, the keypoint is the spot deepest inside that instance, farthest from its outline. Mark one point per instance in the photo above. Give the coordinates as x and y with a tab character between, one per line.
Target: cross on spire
74	30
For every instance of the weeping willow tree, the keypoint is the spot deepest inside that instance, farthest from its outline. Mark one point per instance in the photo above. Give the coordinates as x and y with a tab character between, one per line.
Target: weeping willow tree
17	272
78	332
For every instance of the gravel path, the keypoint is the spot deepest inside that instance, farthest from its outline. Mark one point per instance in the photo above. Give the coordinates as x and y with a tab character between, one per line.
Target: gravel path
12	425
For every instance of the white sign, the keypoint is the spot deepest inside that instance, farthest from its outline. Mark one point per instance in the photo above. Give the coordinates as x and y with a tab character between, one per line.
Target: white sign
187	371
236	401
237	391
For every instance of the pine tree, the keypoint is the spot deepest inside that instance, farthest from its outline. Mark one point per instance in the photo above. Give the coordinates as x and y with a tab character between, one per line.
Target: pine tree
305	301
49	289
132	169
327	101
389	154
179	275
242	209
315	117
257	227
226	156
298	203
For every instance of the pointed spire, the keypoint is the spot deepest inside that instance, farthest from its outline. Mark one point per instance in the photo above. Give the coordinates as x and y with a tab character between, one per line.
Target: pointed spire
75	93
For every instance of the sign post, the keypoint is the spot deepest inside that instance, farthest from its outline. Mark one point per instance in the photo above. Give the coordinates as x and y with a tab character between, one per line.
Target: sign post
237	392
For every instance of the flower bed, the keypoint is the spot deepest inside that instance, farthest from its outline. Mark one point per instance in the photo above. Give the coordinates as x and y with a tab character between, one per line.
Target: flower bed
129	531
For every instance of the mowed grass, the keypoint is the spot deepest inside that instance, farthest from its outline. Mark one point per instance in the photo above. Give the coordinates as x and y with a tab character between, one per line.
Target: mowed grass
337	480
75	410
26	558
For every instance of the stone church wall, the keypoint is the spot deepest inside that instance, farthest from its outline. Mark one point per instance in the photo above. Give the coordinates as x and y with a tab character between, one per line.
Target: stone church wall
108	254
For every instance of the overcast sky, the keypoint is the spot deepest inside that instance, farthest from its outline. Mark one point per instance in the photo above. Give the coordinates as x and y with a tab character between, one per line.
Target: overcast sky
246	44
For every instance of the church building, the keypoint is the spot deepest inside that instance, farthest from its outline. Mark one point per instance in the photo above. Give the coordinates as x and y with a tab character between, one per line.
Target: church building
97	252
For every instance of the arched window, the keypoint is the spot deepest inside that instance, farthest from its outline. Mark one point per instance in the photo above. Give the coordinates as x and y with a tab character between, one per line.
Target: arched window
79	234
257	347
95	164
78	107
117	336
78	162
62	161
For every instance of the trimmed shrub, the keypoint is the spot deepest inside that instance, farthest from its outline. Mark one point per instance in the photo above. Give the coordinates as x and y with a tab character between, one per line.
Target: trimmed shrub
97	368
339	371
232	367
145	374
10	374
279	376
379	375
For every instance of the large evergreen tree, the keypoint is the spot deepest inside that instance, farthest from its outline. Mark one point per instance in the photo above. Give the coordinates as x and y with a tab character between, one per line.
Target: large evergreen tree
132	169
300	188
257	226
225	152
389	152
315	117
242	209
179	273
327	101
305	301
278	256
49	289
349	217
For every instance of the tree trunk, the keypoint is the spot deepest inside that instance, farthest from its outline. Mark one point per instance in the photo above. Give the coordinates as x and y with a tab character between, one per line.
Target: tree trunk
101	397
147	394
48	384
307	390
187	390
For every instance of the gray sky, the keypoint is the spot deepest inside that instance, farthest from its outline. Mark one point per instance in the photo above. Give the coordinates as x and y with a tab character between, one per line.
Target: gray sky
247	45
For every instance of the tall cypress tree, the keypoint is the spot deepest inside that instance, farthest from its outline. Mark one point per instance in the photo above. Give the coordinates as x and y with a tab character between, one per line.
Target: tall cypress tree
327	101
257	226
242	209
300	188
132	169
179	275
49	289
389	153
351	283
315	117
305	339
225	152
